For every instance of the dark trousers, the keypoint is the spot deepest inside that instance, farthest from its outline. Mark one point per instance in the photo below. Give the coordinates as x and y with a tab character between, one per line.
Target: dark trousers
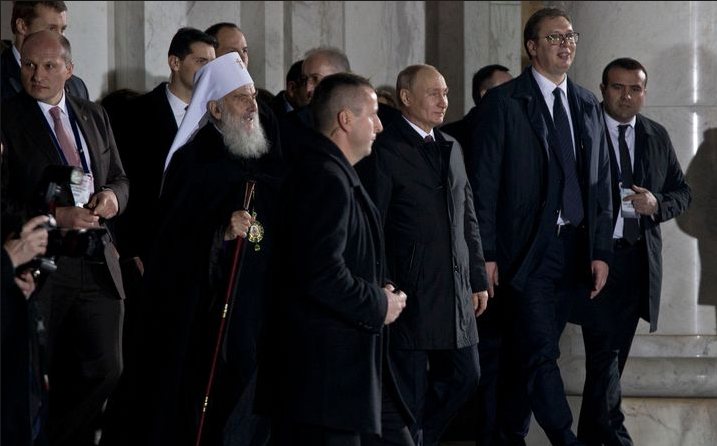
435	384
496	376
608	335
541	312
84	348
393	427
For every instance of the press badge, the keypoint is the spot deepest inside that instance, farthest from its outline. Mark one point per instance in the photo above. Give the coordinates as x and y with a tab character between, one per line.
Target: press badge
83	191
627	210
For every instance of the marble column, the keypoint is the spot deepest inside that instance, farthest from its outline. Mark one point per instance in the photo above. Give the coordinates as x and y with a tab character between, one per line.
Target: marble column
670	381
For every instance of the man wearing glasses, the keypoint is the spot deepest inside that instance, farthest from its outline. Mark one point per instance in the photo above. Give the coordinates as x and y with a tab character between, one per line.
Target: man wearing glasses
542	172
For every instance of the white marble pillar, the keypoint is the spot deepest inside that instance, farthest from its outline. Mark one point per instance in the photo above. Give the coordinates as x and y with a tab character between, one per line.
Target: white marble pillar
91	41
382	38
493	35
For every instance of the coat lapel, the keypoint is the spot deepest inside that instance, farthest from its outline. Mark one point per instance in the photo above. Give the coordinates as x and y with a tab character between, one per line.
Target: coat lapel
37	130
526	91
92	138
641	161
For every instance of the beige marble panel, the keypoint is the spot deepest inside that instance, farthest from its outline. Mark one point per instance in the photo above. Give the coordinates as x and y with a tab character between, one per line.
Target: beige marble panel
161	22
674	40
382	38
90	55
476	28
316	24
202	15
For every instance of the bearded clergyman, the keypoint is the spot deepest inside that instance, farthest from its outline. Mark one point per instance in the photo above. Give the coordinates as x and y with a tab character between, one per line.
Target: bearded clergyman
220	189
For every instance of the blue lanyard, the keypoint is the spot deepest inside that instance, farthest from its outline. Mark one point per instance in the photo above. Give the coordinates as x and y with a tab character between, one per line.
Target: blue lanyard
78	141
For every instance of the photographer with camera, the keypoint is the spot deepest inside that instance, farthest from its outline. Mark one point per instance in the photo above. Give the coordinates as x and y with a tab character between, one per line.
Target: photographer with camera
17	285
83	300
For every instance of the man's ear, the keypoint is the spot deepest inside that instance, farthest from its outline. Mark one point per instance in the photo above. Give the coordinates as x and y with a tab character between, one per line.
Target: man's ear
345	118
173	62
405	99
603	88
21	26
213	109
70	69
532	51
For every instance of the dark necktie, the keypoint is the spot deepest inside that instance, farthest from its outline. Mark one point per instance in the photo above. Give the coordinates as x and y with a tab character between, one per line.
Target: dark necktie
630	229
428	139
572	211
67	144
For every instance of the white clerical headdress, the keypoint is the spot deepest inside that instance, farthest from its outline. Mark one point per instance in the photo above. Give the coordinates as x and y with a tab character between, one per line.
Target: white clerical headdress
212	82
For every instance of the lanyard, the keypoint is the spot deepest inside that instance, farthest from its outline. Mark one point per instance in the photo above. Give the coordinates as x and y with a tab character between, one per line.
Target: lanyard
78	141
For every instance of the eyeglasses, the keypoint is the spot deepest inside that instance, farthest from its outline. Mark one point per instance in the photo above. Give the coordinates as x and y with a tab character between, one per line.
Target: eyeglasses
556	39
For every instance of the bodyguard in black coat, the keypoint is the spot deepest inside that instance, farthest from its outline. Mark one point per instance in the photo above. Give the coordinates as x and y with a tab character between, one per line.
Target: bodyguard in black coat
324	376
655	185
542	186
433	252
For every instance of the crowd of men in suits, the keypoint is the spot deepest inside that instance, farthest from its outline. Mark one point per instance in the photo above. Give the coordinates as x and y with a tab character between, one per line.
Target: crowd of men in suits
317	269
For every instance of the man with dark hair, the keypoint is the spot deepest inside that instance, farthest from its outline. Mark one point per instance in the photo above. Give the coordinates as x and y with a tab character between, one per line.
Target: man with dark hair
487	77
541	172
43	126
146	130
329	381
27	18
293	96
648	188
417	179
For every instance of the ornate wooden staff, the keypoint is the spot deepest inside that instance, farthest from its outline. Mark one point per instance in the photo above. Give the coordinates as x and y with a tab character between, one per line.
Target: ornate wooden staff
248	195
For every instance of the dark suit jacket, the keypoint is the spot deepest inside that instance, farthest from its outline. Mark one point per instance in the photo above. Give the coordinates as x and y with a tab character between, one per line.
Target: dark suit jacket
29	150
322	364
462	130
513	138
144	136
278	105
433	246
12	85
657	170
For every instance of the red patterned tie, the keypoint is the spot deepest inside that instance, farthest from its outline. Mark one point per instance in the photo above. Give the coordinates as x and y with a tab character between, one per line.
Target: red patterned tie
67	144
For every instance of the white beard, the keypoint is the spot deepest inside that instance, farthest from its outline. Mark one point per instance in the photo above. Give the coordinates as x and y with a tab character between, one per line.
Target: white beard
239	141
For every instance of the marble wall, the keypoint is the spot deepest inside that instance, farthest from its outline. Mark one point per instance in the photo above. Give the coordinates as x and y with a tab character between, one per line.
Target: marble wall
124	44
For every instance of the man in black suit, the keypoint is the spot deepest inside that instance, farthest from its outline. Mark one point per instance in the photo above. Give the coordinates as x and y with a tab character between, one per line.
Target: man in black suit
27	18
145	133
324	375
293	96
43	127
542	175
487	77
417	179
648	188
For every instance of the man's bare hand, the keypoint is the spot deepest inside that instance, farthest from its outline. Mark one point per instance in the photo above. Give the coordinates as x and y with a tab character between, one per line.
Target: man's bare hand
32	241
26	283
396	303
600	272
73	217
644	202
491	270
104	203
480	302
238	225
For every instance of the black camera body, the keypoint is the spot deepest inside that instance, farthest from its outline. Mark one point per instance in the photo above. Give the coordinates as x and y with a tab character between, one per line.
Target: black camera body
88	244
